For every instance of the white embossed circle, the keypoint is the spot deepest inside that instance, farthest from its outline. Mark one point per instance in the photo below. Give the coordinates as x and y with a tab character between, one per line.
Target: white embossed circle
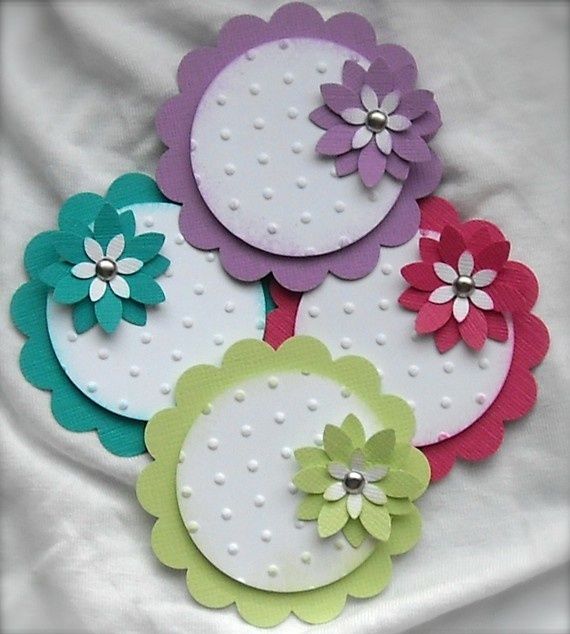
448	392
133	371
234	484
254	154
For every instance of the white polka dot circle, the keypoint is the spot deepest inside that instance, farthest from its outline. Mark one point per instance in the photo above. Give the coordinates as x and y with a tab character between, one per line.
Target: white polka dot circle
234	482
133	371
254	152
448	392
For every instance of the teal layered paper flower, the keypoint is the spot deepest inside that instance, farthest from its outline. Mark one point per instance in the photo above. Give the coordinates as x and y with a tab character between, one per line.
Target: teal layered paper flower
107	273
356	485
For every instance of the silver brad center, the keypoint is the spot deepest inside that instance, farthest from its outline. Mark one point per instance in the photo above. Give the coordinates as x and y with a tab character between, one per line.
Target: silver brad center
463	286
106	269
376	121
353	482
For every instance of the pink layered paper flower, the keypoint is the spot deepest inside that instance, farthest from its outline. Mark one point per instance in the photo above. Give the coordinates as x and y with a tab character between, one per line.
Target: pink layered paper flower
462	287
376	122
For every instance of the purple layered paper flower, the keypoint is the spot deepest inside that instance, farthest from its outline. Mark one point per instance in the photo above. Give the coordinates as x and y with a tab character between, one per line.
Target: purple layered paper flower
376	122
176	179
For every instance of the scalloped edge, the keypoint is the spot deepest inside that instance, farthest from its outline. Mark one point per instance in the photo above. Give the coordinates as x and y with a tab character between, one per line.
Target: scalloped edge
156	488
519	392
174	175
74	411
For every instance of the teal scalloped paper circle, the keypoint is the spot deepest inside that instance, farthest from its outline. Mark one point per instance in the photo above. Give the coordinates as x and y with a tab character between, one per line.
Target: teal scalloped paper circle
72	409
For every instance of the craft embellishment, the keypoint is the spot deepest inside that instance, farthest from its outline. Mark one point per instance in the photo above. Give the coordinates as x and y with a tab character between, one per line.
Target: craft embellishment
244	139
226	483
118	305
466	379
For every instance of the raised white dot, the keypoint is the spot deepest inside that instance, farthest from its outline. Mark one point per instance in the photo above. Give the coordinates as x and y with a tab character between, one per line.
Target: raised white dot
312	404
272	228
321	67
339	543
213	443
306	217
411	404
318	440
91	387
207	409
372	196
259	123
480	398
148	221
225	134
187	322
339	206
306	557
292	488
283	44
134	370
193	526
299	524
279	418
226	514
387	268
123	404
301	182
266	535
168	272
179	239
443	436
348	308
218	339
255	89
445	402
267	193
146	337
286	452
221	100
252	466
210	257
250	55
176	355
193	145
199	289
245	431
413	370
380	339
259	501
297	147
181	457
185	491
448	367
273	382
219	478
233	548
332	171
71	336
165	388
343	241
383	304
233	204
260	324
103	353
314	311
230	169
484	363
273	570
345	343
292	112
263	158
345	392
288	78
239	396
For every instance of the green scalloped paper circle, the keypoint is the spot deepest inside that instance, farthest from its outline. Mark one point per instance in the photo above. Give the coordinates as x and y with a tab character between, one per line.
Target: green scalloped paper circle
156	486
72	409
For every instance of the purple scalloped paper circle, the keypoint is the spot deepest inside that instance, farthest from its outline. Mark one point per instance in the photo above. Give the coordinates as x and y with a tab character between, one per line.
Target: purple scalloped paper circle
175	178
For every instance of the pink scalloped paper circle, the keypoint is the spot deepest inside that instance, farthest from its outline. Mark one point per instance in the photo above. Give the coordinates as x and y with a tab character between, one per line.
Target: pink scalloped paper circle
519	392
175	178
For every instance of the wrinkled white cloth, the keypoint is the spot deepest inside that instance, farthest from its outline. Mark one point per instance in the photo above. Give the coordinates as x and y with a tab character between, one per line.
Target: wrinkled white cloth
81	82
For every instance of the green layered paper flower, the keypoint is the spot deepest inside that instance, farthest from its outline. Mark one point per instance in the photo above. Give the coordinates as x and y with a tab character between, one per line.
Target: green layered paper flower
108	272
354	484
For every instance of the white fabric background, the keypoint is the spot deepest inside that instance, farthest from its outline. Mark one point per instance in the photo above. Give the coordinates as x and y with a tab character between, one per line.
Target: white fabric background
81	82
